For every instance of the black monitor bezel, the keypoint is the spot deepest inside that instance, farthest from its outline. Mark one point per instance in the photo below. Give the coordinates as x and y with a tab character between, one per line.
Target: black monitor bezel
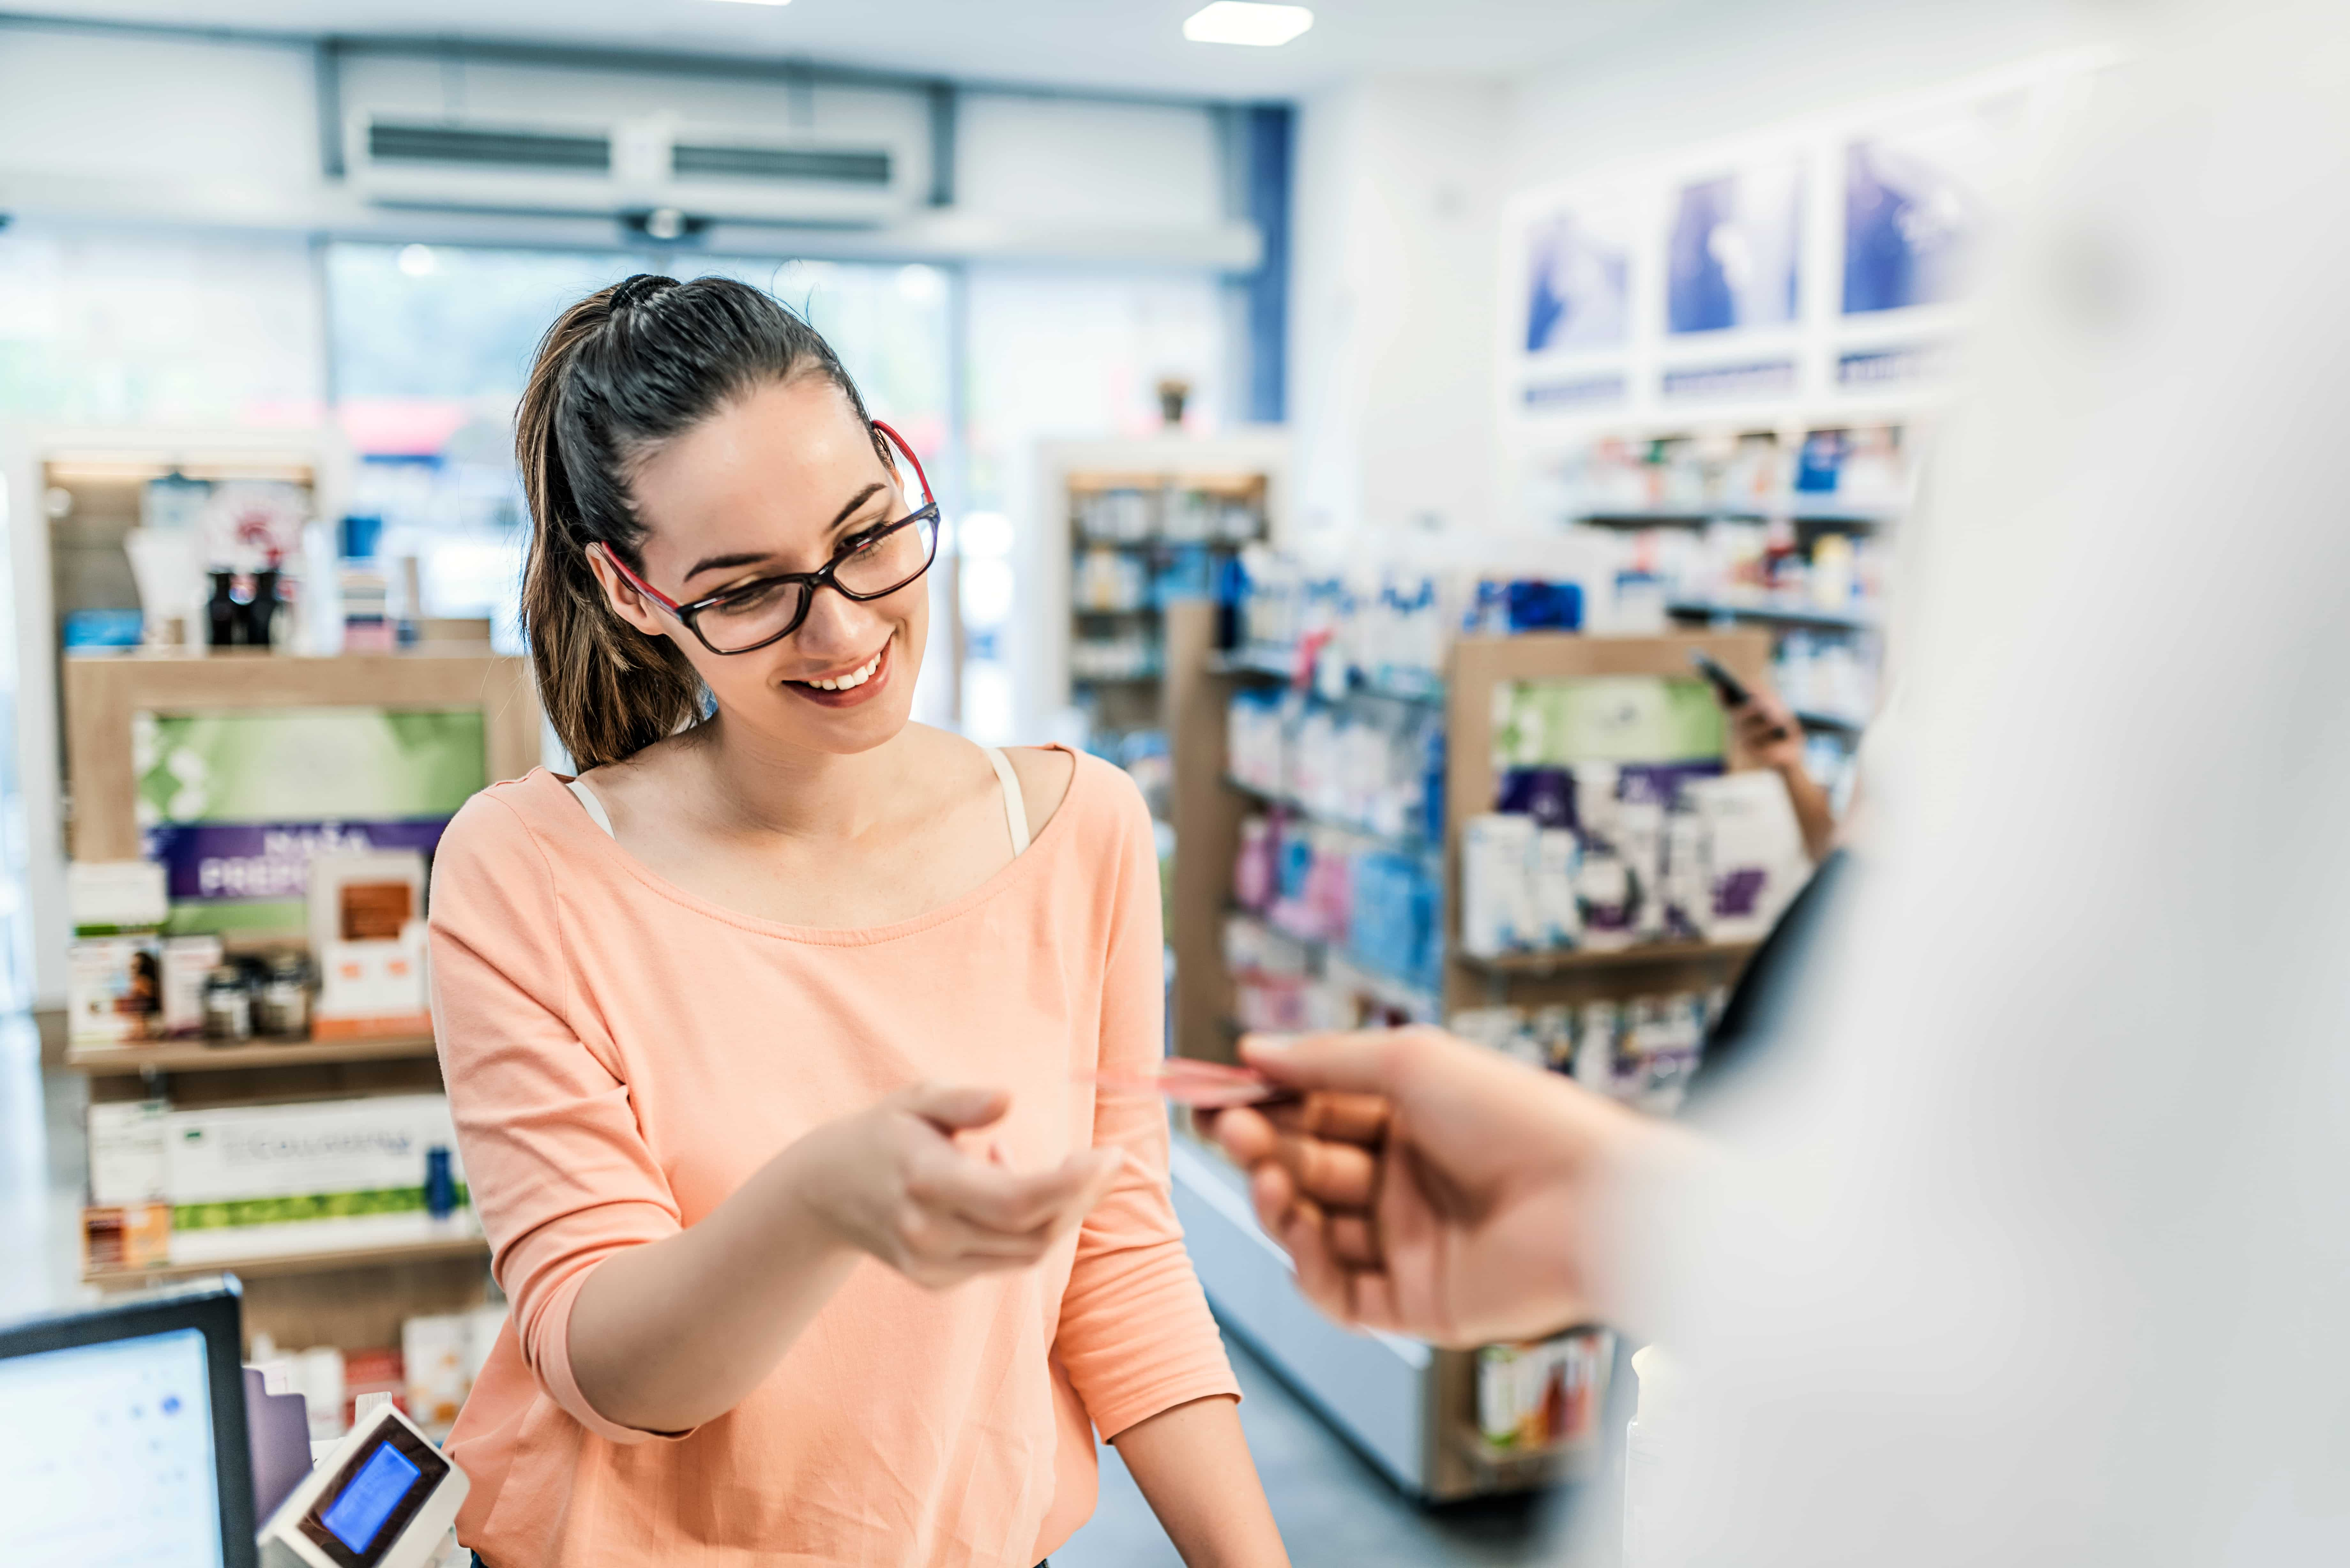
215	1309
432	1469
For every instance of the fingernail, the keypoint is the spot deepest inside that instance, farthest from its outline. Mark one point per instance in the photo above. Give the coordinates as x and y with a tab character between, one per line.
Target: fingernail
1266	1044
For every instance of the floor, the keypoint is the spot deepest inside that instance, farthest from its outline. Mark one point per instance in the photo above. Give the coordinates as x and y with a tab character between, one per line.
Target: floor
1332	1508
1335	1511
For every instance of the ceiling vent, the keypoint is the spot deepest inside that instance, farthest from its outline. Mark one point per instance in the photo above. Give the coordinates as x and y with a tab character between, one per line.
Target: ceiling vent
867	167
480	147
628	167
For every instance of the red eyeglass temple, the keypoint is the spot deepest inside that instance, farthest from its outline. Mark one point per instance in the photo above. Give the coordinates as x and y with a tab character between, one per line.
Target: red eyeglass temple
670	605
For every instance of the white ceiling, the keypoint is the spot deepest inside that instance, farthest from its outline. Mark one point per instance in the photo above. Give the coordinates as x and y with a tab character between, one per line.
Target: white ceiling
1125	45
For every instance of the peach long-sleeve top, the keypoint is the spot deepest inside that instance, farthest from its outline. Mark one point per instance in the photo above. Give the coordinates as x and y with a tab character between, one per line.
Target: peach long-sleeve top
621	1056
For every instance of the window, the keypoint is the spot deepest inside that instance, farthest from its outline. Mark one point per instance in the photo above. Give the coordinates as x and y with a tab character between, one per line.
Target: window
432	345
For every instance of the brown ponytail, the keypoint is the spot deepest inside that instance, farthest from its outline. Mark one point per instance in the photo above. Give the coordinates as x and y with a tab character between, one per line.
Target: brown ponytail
621	373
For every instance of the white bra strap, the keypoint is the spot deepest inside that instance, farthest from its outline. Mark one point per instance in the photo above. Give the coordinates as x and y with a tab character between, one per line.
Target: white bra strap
1015	809
595	807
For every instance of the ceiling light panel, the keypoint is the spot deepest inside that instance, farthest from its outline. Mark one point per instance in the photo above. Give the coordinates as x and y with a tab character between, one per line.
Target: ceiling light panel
1242	22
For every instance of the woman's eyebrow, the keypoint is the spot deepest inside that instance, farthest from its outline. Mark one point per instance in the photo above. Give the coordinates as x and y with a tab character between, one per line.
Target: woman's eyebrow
725	563
855	500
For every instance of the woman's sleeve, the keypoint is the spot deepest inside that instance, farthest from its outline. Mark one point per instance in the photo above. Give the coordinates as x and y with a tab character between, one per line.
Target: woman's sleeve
1136	1337
559	1173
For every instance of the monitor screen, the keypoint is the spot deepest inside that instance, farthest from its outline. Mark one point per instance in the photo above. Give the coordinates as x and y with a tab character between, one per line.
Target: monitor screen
107	1455
357	1516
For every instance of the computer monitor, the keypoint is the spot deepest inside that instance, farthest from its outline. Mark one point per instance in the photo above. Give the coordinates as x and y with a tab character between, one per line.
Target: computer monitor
122	1436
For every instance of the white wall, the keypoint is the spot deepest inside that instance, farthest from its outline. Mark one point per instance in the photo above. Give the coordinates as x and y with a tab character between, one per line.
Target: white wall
1400	183
1710	69
1392	301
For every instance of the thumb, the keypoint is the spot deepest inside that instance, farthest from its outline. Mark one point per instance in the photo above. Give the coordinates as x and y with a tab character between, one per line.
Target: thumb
1361	1061
955	1107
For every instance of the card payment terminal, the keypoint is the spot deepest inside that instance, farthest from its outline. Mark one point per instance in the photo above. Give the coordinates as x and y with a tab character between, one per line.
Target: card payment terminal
383	1499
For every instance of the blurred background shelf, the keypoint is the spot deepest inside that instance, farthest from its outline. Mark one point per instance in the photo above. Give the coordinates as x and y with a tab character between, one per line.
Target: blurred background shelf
1543	964
198	1056
265	1266
1723	610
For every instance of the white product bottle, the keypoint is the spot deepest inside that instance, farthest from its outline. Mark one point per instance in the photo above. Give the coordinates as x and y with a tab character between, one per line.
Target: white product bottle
1646	1454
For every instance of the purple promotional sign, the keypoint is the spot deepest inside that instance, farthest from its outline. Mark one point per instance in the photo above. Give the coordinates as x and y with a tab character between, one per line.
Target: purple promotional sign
204	861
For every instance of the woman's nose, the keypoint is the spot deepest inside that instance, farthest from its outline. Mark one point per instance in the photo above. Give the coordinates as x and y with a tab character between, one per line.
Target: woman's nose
838	627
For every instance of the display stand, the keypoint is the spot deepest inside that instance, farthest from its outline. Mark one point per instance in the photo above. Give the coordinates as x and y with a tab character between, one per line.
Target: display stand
355	1295
1409	1408
1159	517
78	493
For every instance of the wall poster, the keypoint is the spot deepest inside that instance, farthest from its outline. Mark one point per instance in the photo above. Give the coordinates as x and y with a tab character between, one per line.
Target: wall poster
234	805
1914	207
1733	258
1578	279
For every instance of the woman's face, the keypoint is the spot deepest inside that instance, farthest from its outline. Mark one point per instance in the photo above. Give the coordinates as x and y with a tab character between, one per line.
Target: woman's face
776	481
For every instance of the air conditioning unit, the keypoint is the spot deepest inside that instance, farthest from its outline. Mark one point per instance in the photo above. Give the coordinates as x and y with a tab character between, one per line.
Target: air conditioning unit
626	169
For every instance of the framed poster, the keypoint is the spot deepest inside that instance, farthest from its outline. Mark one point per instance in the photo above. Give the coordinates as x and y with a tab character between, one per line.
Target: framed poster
1579	278
1914	206
1733	256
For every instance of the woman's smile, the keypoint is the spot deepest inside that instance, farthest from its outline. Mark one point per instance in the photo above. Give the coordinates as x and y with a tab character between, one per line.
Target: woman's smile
849	688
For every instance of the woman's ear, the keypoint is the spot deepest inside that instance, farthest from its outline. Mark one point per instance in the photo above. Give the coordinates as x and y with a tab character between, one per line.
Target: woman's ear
623	596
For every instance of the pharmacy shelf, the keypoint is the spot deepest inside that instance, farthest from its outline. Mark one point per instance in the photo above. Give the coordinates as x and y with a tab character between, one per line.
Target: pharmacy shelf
1500	1469
263	1265
1157	547
1821	719
1781	614
1406	995
1398	843
197	1056
1571	959
1279	664
1794	509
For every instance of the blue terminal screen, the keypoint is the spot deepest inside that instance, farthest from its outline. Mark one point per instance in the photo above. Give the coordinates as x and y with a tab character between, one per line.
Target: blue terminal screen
357	1517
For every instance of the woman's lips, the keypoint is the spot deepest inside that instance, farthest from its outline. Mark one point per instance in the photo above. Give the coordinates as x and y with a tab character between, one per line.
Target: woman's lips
852	696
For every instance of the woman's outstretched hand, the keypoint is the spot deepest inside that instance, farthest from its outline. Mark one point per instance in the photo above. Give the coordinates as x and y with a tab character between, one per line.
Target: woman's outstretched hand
895	1181
1430	1186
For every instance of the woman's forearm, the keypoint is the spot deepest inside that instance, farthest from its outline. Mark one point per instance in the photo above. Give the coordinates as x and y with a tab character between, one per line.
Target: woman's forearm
1193	1463
670	1334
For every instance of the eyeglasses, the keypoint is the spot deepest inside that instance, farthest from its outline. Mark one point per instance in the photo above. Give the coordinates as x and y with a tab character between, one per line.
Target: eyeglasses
873	564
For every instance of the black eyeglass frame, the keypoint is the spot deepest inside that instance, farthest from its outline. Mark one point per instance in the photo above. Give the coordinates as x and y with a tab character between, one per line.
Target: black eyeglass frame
823	576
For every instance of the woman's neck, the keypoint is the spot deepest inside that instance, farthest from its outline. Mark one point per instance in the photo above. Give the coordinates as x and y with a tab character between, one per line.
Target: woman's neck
757	787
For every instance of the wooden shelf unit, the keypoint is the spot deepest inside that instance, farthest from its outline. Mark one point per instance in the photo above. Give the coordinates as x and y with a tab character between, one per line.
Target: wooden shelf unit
208	1056
275	1265
1244	467
1208	809
353	1297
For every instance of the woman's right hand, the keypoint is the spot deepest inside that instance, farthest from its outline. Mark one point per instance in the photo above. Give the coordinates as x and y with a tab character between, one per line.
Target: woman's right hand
897	1182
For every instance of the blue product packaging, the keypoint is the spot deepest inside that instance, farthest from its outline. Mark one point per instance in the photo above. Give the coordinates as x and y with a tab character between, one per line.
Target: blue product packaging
1537	605
1544	794
1818	465
439	1186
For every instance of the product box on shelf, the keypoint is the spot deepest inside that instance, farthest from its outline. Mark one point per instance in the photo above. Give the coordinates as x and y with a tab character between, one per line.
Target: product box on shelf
272	1178
441	1355
1641	1051
366	936
1542	1397
1616	825
114	970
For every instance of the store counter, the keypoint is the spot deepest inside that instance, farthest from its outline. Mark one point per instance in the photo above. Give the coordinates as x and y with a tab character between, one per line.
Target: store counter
147	1400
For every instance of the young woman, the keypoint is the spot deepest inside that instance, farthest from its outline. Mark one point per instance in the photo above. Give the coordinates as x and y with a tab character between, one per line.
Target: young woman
771	1037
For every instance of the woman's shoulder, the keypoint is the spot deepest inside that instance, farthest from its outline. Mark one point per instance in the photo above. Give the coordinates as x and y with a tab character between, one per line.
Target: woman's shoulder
1047	775
1098	799
504	820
